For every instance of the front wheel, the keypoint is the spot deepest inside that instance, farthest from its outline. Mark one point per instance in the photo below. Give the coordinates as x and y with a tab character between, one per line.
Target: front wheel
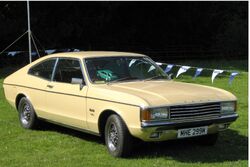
117	137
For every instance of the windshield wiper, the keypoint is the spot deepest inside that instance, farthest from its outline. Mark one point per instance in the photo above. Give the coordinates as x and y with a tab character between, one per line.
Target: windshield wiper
121	79
154	77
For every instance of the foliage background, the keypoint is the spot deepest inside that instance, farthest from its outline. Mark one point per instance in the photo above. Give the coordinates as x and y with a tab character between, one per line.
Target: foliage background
166	31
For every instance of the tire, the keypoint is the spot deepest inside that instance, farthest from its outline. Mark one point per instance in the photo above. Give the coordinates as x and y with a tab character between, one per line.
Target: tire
27	115
117	137
209	140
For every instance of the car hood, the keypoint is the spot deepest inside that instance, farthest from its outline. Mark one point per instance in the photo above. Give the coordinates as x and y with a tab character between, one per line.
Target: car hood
157	93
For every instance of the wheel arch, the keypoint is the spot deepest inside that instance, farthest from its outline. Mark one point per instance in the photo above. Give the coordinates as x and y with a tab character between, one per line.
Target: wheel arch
19	97
103	119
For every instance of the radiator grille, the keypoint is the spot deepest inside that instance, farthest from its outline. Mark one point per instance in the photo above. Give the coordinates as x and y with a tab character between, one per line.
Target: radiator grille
195	111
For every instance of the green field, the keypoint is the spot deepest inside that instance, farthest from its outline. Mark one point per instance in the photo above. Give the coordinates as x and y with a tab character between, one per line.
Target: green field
57	146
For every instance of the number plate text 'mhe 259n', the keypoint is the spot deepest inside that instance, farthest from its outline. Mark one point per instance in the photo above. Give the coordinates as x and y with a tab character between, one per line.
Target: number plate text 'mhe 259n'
190	132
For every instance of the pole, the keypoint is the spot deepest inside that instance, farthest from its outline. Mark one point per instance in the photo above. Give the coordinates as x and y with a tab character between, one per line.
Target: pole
29	33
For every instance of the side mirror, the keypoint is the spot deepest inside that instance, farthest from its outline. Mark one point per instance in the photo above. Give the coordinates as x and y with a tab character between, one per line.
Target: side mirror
171	76
78	81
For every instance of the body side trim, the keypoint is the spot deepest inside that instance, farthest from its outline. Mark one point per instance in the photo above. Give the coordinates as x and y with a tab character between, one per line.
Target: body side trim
72	94
71	127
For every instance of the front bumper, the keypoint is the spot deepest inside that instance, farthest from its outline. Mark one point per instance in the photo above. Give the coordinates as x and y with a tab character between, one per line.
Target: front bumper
169	130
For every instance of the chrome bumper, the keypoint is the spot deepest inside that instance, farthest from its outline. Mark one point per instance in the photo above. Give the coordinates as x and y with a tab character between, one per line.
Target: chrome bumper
169	130
176	125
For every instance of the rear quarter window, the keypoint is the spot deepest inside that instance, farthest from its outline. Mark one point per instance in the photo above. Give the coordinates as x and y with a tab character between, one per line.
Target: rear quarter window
44	69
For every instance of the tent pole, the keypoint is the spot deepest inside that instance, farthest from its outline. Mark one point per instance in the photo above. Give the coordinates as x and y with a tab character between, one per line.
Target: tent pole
29	33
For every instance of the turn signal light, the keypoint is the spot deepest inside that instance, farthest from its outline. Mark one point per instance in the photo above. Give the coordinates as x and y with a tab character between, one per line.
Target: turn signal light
145	115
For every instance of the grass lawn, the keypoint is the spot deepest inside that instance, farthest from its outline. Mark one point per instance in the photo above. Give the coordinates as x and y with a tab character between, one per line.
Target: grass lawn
57	146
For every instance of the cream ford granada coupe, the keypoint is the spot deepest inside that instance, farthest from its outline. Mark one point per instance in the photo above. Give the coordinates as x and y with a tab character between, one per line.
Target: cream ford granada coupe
120	96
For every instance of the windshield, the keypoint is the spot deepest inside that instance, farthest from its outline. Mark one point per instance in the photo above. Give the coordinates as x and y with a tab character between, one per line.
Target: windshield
117	69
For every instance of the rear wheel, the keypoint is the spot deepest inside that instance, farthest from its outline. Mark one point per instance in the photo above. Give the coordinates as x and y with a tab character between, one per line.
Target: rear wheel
27	115
117	137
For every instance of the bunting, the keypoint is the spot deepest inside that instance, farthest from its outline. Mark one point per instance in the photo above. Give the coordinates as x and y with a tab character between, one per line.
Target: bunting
183	69
49	51
215	73
168	68
233	74
198	71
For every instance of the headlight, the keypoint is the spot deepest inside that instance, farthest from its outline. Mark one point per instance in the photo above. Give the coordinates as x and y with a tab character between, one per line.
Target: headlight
228	107
155	114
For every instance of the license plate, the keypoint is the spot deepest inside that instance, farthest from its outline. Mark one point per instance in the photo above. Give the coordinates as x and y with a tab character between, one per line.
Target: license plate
190	132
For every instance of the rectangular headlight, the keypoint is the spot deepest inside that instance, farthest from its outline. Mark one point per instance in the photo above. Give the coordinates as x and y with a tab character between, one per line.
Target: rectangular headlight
228	107
154	114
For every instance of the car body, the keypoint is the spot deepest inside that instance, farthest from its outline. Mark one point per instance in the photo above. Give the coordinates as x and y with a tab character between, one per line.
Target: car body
92	92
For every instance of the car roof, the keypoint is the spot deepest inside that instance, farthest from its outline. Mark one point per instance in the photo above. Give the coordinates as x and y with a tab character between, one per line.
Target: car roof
88	54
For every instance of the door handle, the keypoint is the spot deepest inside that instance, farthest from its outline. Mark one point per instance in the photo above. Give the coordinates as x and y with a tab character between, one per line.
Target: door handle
50	86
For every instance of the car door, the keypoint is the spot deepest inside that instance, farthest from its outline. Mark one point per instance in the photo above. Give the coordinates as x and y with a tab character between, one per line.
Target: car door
66	97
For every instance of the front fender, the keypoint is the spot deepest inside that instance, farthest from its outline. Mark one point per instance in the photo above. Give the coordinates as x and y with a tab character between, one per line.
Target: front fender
130	114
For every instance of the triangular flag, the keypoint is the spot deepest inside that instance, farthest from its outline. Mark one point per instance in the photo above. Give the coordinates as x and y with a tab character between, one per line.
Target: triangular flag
151	68
13	53
168	68
50	51
132	62
233	74
158	63
182	70
198	72
215	73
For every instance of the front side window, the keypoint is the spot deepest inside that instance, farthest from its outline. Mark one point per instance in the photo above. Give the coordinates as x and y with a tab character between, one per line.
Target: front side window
112	69
43	70
67	70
